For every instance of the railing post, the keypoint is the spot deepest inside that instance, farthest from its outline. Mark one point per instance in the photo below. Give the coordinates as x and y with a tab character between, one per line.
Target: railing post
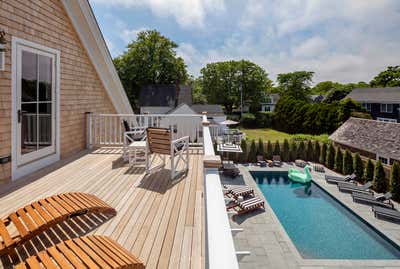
88	130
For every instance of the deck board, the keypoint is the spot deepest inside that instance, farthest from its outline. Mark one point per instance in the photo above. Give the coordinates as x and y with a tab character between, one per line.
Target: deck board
159	221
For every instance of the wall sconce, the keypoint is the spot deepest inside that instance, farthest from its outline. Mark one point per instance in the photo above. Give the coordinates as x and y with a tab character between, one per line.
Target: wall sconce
2	49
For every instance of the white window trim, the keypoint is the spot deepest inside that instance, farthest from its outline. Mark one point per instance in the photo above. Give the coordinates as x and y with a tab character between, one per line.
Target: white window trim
365	105
382	157
19	171
386	119
386	108
2	60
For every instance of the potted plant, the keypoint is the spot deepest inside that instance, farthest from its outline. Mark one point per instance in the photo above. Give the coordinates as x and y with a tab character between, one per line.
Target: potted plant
2	41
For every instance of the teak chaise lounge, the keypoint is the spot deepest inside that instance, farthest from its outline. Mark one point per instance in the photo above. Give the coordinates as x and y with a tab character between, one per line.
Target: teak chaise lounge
236	191
380	200
386	213
40	215
336	180
276	159
246	205
83	252
160	143
349	187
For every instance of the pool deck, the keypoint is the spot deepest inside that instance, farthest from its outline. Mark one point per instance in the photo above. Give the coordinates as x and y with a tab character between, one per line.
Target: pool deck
271	247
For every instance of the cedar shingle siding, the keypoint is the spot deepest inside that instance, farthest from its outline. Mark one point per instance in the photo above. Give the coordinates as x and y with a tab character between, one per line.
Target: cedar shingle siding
45	22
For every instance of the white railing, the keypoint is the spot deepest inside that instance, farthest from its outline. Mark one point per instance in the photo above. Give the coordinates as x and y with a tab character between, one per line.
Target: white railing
220	249
36	129
108	129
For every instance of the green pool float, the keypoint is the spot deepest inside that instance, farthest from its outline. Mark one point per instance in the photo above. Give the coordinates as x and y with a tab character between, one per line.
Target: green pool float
301	177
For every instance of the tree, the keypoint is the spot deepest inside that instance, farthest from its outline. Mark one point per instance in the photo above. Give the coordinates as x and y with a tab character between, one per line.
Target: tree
221	83
339	91
324	87
292	151
253	152
285	151
260	150
369	171
339	161
358	166
317	151
379	181
309	151
295	84
270	150
388	78
243	155
330	157
347	163
150	59
395	180
301	151
322	157
197	91
277	148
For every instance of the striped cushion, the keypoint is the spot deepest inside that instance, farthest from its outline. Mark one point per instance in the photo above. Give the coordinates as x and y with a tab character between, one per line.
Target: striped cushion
251	203
241	191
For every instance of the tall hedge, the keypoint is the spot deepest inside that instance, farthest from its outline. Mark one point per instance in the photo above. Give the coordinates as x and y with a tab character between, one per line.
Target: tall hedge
322	156
379	181
330	157
285	151
369	171
270	150
301	151
309	151
347	163
395	181
243	155
358	166
260	149
253	152
317	151
339	161
277	148
292	151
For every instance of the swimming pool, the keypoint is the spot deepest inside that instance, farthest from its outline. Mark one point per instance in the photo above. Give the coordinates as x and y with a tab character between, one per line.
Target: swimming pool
319	226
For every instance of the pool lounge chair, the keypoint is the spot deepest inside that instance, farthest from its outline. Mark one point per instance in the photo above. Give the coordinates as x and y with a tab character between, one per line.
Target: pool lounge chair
236	191
336	180
246	206
30	220
379	200
276	159
260	161
92	251
349	187
229	169
380	212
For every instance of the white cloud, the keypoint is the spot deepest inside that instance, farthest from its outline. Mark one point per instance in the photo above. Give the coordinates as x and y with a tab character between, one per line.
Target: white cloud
128	35
310	47
186	12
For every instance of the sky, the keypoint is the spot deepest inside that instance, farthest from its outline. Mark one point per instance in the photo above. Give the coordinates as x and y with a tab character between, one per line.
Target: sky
340	40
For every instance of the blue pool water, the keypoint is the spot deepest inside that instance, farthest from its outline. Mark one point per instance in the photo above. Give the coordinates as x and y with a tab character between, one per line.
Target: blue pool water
319	226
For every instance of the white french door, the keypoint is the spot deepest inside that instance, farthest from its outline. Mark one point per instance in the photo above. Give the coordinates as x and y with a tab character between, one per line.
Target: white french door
35	100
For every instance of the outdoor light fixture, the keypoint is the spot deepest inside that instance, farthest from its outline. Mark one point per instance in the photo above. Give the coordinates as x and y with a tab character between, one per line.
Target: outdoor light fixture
2	49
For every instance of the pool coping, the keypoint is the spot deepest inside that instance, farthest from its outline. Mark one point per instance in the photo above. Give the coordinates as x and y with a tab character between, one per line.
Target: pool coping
318	179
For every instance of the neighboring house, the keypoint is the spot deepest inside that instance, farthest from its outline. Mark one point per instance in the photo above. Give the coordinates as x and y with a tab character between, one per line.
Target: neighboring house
373	139
382	103
317	98
57	68
269	102
160	99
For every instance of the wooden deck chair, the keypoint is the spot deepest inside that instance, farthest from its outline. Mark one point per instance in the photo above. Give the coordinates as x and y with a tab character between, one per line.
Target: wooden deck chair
131	134
83	252
247	205
30	220
160	144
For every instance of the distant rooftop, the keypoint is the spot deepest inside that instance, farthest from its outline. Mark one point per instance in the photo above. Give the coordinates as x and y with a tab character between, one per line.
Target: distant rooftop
376	95
382	138
165	95
212	110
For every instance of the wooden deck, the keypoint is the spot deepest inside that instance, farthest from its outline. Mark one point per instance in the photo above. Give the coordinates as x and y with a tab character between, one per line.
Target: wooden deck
159	221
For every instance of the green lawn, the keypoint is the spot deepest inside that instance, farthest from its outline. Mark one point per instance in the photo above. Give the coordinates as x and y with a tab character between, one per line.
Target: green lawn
273	135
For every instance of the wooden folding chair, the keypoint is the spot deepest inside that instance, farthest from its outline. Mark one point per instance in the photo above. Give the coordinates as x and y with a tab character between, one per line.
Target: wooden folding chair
83	252
160	144
30	220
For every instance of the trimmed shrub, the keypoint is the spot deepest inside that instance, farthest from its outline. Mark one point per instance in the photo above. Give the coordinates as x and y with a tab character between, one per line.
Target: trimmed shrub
292	151
347	163
277	148
379	178
330	157
243	156
270	150
369	171
317	151
309	151
395	181
253	152
322	156
260	149
358	166
285	151
248	120
301	151
339	161
264	119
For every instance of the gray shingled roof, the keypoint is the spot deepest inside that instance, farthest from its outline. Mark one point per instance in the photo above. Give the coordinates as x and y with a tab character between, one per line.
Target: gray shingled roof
164	95
382	138
212	110
375	95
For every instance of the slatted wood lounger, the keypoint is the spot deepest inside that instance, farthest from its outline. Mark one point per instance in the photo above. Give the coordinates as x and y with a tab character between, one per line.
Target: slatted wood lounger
240	191
83	252
29	221
247	205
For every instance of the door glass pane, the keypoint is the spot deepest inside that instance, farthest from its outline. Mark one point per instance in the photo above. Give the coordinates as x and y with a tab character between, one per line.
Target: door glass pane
45	78
44	125
29	77
28	128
